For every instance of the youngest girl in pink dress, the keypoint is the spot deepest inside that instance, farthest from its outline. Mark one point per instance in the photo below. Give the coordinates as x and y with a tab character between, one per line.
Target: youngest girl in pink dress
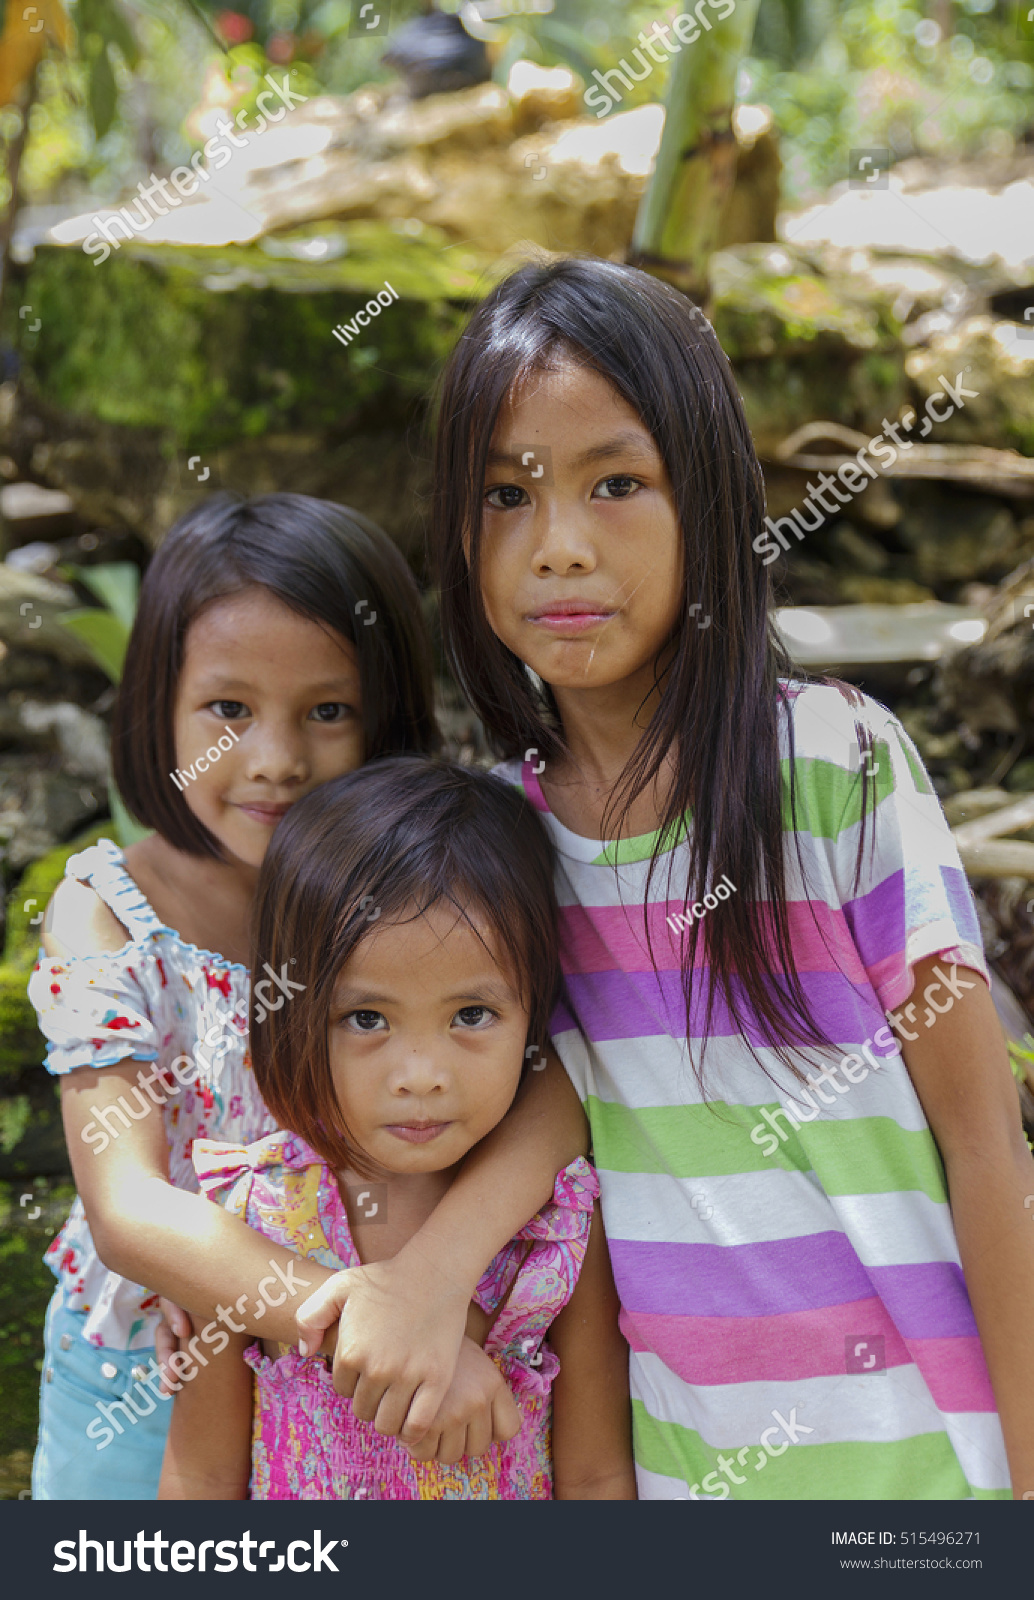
398	1044
306	1444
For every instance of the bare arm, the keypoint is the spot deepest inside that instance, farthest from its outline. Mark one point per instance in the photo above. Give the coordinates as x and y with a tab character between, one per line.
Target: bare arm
402	1320
208	1450
960	1070
145	1228
592	1411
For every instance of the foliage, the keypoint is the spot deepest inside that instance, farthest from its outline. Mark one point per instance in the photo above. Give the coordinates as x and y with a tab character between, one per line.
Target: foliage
106	633
885	76
25	1287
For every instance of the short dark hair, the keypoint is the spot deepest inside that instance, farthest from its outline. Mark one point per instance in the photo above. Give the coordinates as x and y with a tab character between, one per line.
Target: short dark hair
318	558
396	833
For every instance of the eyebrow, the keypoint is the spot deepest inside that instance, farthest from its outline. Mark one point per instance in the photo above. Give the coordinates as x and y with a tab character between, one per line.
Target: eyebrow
620	444
210	682
352	997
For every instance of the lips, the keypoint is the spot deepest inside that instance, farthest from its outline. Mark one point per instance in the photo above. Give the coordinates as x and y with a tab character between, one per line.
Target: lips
261	811
567	617
417	1132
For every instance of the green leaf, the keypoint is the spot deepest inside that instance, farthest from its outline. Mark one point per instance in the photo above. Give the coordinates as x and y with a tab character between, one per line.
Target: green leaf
128	830
110	22
105	636
14	1119
116	585
101	93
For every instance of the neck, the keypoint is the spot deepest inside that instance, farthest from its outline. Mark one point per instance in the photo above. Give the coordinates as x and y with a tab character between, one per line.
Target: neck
603	727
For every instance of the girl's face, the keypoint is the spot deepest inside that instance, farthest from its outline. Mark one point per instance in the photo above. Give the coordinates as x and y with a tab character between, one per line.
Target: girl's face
288	689
426	1041
582	565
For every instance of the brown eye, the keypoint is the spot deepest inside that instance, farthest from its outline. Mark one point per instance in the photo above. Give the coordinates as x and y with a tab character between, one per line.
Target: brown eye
510	495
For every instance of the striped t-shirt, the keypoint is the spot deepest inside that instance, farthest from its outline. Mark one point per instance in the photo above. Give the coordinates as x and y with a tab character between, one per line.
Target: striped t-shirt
788	1272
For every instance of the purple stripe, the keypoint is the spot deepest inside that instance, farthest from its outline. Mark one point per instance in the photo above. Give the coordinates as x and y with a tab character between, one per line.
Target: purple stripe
738	1280
878	923
633	1005
925	1301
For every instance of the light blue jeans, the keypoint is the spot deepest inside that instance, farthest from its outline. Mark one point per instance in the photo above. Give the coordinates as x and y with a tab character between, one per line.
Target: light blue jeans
102	1431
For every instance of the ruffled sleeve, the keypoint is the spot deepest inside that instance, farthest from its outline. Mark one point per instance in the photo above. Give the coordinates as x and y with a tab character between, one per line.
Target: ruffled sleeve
93	1010
537	1282
568	1214
280	1187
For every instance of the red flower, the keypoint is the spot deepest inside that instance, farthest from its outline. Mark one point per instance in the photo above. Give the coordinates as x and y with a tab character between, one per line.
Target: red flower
234	28
222	983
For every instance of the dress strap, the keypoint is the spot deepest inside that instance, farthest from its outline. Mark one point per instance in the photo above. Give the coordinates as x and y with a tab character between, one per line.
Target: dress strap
103	867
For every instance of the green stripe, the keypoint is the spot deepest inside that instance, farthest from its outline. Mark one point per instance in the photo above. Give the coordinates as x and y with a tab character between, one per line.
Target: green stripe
866	1155
923	1467
829	797
915	767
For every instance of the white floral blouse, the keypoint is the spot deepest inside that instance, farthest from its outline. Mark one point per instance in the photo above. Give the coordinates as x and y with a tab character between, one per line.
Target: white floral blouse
154	1001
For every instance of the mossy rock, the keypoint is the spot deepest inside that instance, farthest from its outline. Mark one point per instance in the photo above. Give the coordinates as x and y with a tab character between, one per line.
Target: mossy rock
21	1045
213	344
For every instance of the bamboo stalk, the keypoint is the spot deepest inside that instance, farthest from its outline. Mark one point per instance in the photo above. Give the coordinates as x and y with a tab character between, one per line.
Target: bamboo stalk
676	229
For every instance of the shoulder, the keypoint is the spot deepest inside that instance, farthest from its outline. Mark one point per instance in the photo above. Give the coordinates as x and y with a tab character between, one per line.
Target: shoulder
509	771
78	923
826	721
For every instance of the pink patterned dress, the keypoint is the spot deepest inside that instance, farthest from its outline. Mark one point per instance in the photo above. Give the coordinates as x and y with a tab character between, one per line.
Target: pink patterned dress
306	1444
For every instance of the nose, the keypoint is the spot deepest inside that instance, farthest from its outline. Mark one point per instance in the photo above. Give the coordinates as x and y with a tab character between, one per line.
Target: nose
274	753
563	545
419	1071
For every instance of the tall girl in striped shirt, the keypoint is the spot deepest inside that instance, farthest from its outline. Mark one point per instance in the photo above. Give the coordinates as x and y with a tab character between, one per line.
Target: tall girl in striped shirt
812	1164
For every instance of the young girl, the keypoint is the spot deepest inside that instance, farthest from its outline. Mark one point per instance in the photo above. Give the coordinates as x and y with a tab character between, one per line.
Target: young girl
414	901
279	643
821	1240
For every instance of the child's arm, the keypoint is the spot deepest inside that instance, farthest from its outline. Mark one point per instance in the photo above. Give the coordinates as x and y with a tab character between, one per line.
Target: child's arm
960	1070
592	1411
170	1239
402	1320
144	1228
208	1450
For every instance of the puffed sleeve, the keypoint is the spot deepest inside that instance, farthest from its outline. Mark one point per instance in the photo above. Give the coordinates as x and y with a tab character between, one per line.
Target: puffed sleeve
93	1011
912	899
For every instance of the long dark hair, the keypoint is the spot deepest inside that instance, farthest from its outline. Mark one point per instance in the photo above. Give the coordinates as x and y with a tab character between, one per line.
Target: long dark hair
719	708
400	835
320	559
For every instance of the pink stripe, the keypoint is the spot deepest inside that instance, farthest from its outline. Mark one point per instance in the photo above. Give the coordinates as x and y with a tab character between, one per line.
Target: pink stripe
885	976
809	1344
532	788
955	1373
795	1344
614	938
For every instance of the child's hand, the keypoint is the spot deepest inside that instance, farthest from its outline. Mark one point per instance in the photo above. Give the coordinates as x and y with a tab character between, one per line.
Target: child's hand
174	1327
401	1325
477	1412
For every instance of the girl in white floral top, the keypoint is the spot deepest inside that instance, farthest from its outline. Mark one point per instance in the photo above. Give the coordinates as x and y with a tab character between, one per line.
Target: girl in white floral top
249	680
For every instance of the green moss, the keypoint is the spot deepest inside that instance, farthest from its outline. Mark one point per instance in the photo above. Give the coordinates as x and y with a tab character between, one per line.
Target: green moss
216	344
